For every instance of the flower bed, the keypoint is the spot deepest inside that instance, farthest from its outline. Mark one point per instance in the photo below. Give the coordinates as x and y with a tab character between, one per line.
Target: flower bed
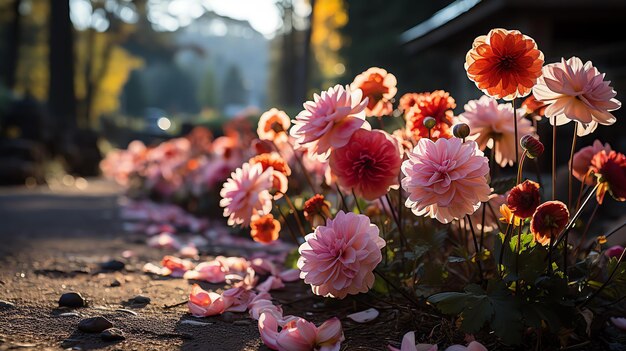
438	211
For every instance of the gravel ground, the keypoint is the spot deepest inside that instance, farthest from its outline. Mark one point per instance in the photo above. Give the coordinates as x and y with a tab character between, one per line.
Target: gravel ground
53	241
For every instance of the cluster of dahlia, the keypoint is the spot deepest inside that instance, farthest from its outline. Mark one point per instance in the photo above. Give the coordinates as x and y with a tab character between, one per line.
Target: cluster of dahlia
180	168
506	64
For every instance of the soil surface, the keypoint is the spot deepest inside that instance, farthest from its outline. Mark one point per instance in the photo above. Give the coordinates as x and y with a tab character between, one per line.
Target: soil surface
53	241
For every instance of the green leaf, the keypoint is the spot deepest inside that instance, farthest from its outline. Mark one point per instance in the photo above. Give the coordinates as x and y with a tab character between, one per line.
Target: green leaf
292	259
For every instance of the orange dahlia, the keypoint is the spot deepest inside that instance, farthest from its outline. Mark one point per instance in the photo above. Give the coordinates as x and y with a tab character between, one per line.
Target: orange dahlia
379	87
504	64
265	229
438	105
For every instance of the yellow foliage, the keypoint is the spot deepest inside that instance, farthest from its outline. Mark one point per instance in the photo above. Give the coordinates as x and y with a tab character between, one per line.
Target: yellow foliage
329	17
118	69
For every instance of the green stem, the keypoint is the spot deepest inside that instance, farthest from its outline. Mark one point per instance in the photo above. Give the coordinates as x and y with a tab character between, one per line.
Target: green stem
477	249
571	168
597	292
516	136
554	158
295	215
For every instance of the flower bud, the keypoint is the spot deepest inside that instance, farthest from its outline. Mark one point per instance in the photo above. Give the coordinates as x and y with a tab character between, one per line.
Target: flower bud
429	122
461	130
532	145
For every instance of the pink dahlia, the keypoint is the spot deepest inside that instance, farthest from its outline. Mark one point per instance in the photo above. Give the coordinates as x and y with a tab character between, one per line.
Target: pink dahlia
582	161
576	92
298	334
369	164
491	125
338	258
246	193
379	87
330	120
446	179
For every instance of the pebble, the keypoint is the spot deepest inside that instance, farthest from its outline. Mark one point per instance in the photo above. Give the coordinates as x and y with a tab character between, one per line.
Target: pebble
71	299
94	324
112	265
194	323
67	343
242	322
112	334
229	317
6	304
141	300
115	283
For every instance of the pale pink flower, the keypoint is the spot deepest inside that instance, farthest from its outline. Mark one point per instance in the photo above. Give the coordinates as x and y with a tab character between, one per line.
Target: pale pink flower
576	92
338	259
446	179
408	344
329	120
262	303
299	334
582	161
175	266
368	165
203	303
491	124
246	193
212	272
237	299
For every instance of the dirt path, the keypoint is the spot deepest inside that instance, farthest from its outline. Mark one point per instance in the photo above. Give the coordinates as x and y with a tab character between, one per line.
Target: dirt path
52	242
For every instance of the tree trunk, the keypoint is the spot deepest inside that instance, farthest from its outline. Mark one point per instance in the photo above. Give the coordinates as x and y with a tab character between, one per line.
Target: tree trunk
61	94
13	46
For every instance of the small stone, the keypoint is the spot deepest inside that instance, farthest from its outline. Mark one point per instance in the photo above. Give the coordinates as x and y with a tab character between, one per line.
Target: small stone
6	304
115	283
94	324
112	265
67	343
229	317
141	300
242	322
194	323
112	334
71	299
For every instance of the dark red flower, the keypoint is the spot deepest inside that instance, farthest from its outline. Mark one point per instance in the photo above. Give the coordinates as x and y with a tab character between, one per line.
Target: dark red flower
524	199
548	221
610	169
368	165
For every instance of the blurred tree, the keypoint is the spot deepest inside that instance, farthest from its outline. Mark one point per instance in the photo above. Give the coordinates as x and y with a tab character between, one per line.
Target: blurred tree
208	94
61	96
8	66
32	77
134	98
327	40
234	91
